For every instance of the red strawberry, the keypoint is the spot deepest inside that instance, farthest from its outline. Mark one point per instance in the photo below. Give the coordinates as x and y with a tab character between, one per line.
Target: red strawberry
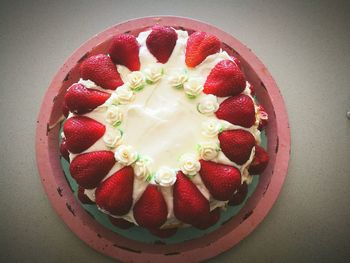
237	62
260	161
124	50
163	233
120	222
161	42
237	145
83	197
238	110
221	180
115	193
80	99
239	196
209	221
101	70
263	117
88	169
224	80
81	132
199	46
63	149
190	205
65	110
150	211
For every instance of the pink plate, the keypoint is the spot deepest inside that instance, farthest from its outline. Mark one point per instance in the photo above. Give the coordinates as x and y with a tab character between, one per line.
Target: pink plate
117	246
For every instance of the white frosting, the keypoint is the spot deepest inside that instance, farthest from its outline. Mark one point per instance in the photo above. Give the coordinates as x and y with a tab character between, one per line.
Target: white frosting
189	164
123	95
208	105
153	73
136	80
177	78
142	168
112	137
211	128
193	87
125	154
208	150
165	176
114	115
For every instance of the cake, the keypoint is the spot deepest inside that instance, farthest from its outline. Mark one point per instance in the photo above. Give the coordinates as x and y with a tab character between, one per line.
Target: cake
163	131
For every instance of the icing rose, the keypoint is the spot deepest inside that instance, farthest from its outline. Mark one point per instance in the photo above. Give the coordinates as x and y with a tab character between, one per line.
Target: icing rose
165	176
208	150
114	116
208	105
178	78
125	154
142	169
189	164
123	95
211	128
112	138
153	73
193	88
136	80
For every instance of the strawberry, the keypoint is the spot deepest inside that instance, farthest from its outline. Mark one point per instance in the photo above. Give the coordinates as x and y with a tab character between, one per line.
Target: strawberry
238	110
101	70
81	132
63	149
199	46
263	117
163	233
80	99
120	222
221	180
209	221
124	50
239	196
161	42
88	169
65	110
115	193
150	211
237	62
225	79
83	197
237	145
260	161
190	205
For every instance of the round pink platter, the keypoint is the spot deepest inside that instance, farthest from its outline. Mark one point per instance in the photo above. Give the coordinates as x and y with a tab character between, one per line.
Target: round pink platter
120	247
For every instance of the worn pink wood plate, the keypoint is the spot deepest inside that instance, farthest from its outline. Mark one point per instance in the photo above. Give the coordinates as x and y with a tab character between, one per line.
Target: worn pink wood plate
116	246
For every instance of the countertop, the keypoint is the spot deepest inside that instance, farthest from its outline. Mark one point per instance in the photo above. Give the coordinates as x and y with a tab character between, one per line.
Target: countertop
304	44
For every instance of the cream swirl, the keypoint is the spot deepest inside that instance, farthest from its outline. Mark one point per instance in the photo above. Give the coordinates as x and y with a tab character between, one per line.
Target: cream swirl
208	105
136	80
154	73
114	116
142	168
193	88
208	150
123	95
125	154
165	176
189	164
178	78
211	128
112	138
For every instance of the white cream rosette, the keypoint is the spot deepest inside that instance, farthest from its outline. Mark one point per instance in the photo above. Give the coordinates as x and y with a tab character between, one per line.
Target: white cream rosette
114	115
125	155
189	164
208	105
208	150
177	78
154	73
165	176
136	80
211	128
142	168
193	88
112	138
123	95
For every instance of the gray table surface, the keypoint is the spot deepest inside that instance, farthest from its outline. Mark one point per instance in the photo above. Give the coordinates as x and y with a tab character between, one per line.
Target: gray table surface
304	44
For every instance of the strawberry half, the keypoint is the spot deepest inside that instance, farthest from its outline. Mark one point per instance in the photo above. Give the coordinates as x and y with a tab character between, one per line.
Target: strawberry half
150	211
209	221
190	205
238	110
161	42
263	117
63	149
239	196
83	198
221	180
260	161
120	222
163	233
199	46
225	79
237	145
81	132
80	99
115	193
124	50
101	70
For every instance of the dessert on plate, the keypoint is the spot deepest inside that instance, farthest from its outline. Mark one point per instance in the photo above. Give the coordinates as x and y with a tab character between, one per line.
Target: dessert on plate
163	131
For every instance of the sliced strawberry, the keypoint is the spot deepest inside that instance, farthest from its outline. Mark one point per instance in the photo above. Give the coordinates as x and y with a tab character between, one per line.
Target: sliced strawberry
237	145
81	132
199	46
263	117
65	110
209	221
161	42
163	233
115	193
120	222
225	79
88	169
101	70
239	196
190	205
238	110
124	50
221	180
83	197
260	161
80	99
150	211
63	149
